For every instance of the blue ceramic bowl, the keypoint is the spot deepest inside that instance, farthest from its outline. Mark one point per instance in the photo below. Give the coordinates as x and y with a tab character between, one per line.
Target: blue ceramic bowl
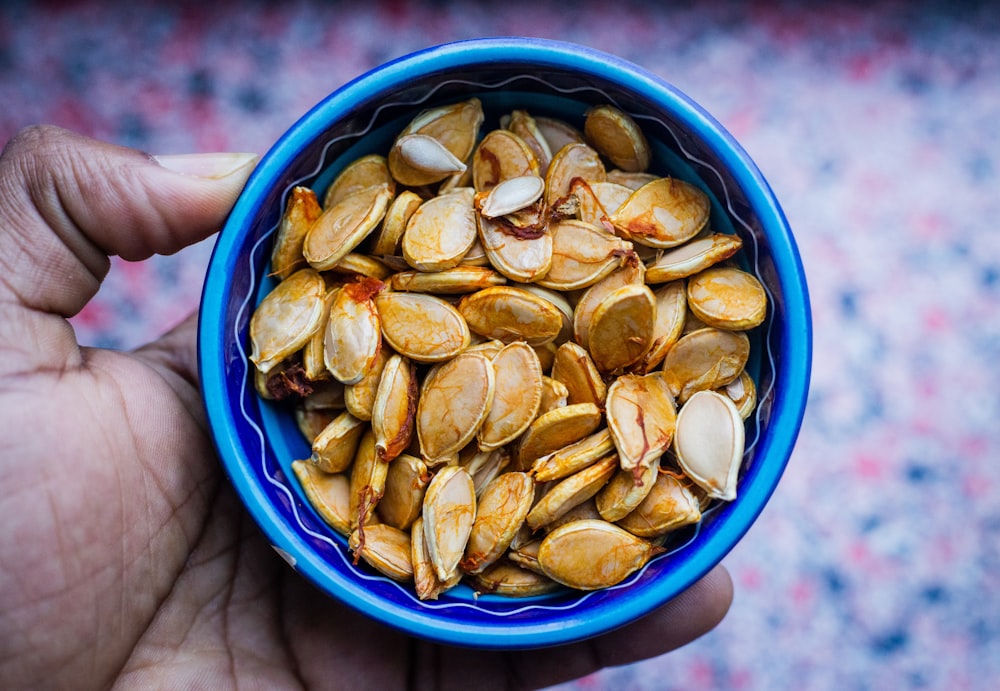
257	441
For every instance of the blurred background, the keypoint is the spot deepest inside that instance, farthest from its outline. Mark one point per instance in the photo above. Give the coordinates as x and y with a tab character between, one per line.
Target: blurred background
877	563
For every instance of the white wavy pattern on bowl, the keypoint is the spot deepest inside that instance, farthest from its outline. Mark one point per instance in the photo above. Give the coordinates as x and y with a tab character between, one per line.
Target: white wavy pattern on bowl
340	549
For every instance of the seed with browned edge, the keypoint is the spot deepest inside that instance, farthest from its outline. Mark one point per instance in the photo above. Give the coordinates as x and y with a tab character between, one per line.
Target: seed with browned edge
454	400
353	331
641	418
590	554
663	213
727	298
386	549
704	359
301	210
517	394
403	498
328	493
395	407
571	491
500	512
669	505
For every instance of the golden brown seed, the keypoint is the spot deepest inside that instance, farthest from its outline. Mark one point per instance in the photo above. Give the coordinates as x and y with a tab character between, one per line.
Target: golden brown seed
630	272
574	368
301	210
692	257
554	395
622	494
573	490
617	136
500	512
425	580
509	313
384	548
440	232
709	443
353	331
333	450
517	395
582	254
286	318
389	238
586	510
356	264
572	161
405	482
526	127
526	555
449	512
394	408
328	493
367	481
311	422
727	298
662	213
671	310
510	580
518	256
669	505
621	329
641	419
556	429
422	327
458	280
313	361
360	397
573	457
454	400
483	466
362	173
342	227
705	359
590	554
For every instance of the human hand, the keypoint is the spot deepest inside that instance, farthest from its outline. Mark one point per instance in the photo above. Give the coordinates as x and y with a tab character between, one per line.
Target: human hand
126	557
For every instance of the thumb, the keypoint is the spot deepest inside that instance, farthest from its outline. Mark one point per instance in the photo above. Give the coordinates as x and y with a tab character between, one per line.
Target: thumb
67	202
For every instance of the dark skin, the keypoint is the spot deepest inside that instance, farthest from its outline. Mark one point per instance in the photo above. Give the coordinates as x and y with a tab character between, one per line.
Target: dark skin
126	556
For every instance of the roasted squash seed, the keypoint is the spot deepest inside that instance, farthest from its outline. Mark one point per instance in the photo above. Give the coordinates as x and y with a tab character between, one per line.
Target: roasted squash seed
487	334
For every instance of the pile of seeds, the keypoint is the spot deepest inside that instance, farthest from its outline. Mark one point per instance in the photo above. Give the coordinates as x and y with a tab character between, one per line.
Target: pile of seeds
518	356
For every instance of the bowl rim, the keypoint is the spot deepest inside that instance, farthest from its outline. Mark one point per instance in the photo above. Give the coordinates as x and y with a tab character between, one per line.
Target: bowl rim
789	396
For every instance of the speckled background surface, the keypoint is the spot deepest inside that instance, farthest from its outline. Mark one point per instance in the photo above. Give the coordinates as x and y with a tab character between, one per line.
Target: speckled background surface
877	563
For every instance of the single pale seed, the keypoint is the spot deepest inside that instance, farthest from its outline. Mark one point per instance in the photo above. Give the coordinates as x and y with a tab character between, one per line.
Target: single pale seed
428	155
510	580
709	443
512	194
589	554
286	318
449	511
455	281
455	126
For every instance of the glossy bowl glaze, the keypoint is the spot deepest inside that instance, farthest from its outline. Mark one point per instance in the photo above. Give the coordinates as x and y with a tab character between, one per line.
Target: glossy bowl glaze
257	441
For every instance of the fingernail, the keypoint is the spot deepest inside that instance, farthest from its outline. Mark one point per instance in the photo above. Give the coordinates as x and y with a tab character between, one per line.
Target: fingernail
213	166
